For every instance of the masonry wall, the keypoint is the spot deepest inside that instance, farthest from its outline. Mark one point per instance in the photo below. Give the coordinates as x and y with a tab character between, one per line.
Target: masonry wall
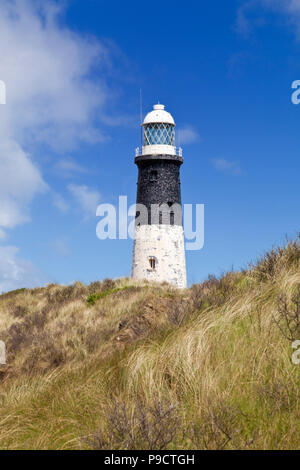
166	244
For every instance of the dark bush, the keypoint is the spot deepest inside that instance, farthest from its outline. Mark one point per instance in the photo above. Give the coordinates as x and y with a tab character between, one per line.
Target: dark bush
108	284
19	311
288	319
217	428
147	427
275	260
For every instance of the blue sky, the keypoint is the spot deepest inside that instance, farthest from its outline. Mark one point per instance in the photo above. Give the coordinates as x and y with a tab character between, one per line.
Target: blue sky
73	71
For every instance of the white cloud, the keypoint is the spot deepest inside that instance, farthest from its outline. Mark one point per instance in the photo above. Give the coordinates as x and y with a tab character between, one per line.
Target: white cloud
291	10
227	166
252	14
68	167
242	24
45	67
289	6
16	273
51	101
60	203
20	180
187	135
50	98
87	199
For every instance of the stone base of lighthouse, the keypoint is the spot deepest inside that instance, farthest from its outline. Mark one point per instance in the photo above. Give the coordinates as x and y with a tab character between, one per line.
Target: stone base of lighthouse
158	254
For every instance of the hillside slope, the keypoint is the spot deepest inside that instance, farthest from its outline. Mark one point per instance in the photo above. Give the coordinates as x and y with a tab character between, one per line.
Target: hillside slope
127	365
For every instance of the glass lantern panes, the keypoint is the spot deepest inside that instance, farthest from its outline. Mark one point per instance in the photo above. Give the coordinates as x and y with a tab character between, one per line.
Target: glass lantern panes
159	134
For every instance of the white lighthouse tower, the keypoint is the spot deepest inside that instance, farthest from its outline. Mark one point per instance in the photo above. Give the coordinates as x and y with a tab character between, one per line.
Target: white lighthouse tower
158	253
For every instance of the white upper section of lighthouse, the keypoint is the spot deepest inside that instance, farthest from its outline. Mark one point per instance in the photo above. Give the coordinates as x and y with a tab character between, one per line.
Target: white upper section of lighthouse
159	115
158	133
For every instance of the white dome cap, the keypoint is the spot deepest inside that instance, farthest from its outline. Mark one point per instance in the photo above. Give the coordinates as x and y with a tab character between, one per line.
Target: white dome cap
159	115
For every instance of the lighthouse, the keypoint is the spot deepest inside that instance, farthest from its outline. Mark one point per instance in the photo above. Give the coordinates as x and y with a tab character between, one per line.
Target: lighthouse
158	251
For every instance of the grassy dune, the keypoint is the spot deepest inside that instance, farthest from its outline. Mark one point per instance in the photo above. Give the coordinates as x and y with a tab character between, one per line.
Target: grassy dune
127	365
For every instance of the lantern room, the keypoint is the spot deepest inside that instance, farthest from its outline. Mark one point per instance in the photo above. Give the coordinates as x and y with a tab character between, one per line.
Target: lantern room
158	132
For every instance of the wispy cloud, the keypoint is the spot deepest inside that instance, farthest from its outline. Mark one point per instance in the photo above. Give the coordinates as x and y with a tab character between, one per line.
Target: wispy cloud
60	202
226	166
243	24
187	135
252	14
67	168
16	272
86	199
20	181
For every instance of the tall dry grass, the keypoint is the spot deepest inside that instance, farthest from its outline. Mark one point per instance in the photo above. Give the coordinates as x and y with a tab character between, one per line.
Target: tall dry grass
126	365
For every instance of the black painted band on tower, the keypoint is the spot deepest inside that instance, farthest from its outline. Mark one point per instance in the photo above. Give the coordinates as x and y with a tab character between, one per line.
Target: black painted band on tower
158	189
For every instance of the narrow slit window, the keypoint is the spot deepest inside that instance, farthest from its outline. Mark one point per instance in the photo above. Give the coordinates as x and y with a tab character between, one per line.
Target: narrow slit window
152	262
172	218
137	215
153	176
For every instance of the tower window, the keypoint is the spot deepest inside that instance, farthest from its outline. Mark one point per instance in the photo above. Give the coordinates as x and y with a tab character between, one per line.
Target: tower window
153	175
152	262
172	218
137	215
